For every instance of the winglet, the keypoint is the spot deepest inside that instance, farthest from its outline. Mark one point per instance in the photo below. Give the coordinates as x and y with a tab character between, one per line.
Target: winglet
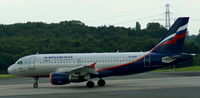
92	65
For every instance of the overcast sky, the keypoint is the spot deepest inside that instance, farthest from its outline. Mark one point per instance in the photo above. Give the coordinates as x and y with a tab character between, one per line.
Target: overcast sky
99	12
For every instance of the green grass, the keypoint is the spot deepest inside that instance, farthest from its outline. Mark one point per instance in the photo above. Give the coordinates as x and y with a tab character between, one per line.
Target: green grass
7	76
191	68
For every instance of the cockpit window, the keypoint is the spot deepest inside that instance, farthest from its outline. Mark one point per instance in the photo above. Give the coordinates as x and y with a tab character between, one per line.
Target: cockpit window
19	62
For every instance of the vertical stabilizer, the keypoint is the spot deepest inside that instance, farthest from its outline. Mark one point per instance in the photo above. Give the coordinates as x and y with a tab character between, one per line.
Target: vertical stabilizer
173	42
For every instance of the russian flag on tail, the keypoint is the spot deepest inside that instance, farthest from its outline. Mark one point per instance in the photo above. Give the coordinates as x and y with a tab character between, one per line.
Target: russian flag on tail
173	42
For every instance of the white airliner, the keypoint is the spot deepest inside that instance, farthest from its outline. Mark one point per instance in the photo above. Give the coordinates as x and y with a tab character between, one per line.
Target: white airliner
79	67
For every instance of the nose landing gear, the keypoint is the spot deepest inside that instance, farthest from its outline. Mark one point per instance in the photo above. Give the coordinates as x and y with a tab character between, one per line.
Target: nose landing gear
35	84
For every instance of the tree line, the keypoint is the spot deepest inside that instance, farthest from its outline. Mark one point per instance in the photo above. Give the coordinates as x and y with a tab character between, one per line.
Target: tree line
21	39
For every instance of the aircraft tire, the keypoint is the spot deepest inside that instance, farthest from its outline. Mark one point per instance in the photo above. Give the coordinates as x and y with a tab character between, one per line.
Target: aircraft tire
101	82
35	85
90	84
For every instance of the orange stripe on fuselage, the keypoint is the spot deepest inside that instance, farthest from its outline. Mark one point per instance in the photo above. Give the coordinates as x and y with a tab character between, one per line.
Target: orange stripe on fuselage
121	65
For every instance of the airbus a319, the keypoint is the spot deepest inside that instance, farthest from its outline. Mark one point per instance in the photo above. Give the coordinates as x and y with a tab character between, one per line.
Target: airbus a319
80	67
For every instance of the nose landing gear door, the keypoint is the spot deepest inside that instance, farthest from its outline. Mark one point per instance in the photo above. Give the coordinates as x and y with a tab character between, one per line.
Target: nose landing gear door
32	62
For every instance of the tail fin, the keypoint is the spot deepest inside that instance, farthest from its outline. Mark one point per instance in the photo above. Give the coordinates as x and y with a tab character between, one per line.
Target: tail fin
173	42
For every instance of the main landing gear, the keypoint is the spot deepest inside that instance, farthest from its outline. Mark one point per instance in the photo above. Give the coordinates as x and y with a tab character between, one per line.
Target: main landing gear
35	84
101	82
90	84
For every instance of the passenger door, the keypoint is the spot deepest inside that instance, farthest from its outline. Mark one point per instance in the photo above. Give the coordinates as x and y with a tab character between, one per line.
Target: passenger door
32	62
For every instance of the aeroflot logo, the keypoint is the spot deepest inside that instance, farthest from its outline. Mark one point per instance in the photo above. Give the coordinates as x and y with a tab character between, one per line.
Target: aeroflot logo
58	57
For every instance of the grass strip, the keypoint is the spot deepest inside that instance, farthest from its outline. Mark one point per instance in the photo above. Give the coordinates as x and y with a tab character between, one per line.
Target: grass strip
7	76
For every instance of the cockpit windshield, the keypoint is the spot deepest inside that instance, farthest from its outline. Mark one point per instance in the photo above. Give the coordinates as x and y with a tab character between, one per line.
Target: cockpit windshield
19	62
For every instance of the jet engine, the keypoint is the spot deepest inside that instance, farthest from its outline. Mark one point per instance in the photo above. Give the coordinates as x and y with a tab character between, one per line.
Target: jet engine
59	78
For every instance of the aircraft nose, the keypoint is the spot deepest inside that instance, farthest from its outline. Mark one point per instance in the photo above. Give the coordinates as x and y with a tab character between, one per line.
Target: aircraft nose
10	69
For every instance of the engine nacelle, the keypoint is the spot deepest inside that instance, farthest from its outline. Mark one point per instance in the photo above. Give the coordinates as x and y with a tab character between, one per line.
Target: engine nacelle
59	78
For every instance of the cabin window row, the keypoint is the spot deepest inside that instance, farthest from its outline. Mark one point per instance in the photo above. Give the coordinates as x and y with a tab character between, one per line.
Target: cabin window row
88	61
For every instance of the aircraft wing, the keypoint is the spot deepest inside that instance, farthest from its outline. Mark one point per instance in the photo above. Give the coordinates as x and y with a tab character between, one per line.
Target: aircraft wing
80	70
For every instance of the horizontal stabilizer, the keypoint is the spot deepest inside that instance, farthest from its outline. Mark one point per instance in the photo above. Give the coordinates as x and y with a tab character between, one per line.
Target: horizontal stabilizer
170	59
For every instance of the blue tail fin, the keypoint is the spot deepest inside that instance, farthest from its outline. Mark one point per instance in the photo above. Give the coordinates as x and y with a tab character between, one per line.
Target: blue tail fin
173	42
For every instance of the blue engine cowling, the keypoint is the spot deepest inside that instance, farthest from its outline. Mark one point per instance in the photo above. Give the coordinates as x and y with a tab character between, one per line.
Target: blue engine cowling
59	78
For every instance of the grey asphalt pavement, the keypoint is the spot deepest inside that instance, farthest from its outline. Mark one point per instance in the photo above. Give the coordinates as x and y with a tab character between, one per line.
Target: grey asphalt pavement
146	85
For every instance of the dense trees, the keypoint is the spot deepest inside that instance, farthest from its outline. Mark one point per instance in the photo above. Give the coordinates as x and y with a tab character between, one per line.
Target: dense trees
22	39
